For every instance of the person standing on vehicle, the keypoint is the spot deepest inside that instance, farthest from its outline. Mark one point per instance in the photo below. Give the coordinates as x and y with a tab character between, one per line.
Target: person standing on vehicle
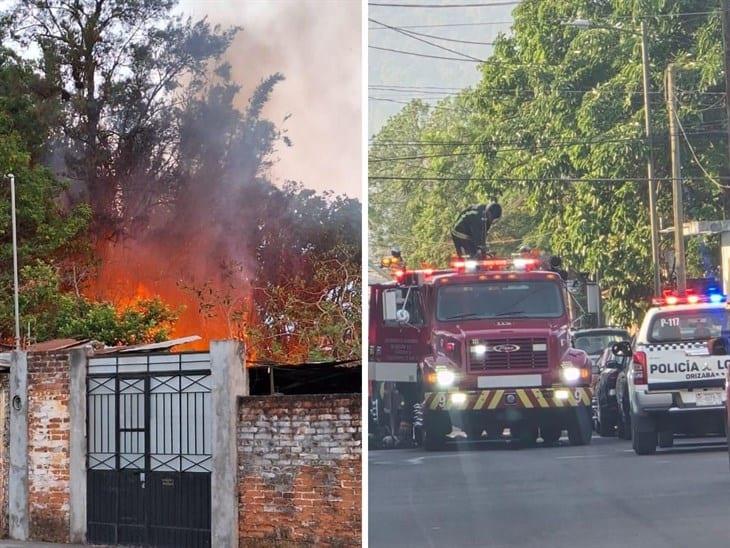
471	228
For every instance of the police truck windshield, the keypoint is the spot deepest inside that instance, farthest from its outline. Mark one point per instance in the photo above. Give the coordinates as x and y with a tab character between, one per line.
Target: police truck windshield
689	325
518	299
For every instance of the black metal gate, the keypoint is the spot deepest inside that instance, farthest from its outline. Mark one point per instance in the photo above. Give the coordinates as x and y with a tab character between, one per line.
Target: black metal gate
149	462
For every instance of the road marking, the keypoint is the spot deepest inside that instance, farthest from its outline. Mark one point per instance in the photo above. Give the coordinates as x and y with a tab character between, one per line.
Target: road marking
583	456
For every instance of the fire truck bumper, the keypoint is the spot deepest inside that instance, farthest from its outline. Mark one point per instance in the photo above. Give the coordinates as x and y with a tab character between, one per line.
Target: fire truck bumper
556	397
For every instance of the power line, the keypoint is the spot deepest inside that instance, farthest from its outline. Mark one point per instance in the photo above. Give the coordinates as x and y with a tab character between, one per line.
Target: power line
518	149
424	55
521	179
398	86
696	159
435	107
480	5
411	35
449	25
530	148
445	39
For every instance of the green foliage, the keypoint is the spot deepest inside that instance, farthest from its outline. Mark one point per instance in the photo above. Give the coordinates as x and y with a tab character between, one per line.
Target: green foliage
50	312
556	102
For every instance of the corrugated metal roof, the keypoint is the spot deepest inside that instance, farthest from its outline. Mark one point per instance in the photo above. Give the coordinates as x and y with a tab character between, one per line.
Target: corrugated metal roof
164	345
56	344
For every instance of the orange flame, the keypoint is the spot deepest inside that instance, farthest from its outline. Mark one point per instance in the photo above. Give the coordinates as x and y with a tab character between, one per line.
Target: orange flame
210	305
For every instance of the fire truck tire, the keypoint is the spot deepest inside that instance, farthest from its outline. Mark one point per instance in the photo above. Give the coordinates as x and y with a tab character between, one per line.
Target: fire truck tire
524	435
473	427
666	439
580	428
550	434
436	426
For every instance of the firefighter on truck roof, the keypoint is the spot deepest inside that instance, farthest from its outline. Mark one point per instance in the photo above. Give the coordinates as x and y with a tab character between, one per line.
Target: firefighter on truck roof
471	227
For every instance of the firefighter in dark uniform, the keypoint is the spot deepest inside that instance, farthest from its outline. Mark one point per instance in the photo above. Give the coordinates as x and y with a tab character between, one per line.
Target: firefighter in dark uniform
470	231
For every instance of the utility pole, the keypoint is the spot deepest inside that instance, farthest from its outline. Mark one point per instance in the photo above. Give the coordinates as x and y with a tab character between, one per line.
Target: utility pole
653	218
11	177
725	18
679	259
726	43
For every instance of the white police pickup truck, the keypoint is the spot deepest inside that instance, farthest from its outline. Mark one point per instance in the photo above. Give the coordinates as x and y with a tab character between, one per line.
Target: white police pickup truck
674	384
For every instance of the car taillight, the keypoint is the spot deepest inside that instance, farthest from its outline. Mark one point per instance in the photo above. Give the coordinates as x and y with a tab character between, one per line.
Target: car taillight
640	375
449	346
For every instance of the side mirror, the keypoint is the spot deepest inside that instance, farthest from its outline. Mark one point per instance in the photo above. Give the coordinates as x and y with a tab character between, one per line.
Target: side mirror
718	346
621	349
402	315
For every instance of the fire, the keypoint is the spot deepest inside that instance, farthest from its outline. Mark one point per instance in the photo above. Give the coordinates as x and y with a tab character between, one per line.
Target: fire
210	303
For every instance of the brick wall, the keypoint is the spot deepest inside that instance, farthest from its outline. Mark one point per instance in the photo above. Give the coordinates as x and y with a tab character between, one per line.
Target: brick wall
299	478
4	451
48	446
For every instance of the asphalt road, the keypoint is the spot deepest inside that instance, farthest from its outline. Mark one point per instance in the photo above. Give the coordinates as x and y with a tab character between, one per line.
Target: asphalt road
600	495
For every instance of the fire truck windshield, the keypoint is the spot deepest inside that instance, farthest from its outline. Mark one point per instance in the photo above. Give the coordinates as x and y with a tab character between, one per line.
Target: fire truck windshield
483	300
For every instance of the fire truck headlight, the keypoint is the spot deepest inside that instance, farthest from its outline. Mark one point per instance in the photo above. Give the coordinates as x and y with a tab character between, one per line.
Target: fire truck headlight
458	398
479	350
562	394
570	373
445	378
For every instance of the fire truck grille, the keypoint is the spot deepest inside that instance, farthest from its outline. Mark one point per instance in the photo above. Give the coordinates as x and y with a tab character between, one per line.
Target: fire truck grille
508	354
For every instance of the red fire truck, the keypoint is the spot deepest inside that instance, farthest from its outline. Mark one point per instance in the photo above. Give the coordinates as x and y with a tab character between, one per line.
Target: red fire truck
482	346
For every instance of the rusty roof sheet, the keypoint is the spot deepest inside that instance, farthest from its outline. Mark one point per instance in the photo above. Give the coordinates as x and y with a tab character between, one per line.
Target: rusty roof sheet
164	345
57	344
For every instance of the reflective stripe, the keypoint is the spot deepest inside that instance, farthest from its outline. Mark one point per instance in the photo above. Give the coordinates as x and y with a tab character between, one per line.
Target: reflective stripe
496	399
525	399
541	401
459	234
481	399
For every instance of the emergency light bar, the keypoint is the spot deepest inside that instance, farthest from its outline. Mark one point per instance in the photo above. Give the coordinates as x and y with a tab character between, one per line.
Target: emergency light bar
470	265
671	298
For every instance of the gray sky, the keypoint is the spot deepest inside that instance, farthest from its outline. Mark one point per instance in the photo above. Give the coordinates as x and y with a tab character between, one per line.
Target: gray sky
316	44
474	24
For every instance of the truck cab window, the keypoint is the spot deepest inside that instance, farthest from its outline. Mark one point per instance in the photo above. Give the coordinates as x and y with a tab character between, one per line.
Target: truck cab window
401	298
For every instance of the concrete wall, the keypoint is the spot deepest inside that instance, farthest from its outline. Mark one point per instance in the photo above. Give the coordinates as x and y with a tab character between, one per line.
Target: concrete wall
299	479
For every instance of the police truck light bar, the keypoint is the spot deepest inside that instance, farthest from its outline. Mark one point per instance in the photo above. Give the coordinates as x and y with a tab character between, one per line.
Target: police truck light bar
671	298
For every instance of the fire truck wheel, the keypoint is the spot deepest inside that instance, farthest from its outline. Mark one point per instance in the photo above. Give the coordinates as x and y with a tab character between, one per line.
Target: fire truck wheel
666	439
473	428
550	434
524	434
436	426
580	428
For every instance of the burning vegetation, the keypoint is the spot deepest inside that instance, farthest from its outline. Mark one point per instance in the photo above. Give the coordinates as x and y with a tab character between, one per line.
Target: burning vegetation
146	208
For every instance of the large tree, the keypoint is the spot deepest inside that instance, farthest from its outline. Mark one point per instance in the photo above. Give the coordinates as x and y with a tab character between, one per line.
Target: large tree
117	67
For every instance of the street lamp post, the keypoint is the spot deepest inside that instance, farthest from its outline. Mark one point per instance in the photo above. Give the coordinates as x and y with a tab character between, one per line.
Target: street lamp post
653	218
15	260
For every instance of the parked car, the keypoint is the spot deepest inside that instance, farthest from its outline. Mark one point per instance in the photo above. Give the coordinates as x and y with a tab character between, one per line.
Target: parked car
606	412
594	341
